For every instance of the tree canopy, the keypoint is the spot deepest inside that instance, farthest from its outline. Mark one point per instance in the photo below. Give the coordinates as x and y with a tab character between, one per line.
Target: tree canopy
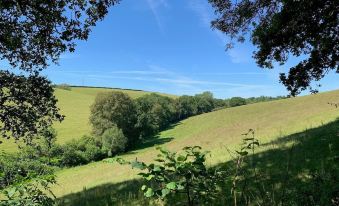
114	109
307	29
36	32
32	35
237	101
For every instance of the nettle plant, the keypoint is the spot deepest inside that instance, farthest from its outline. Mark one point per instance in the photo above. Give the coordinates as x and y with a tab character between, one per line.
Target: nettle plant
183	173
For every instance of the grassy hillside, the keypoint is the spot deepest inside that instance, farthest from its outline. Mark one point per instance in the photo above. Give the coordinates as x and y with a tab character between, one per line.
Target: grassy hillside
289	120
75	105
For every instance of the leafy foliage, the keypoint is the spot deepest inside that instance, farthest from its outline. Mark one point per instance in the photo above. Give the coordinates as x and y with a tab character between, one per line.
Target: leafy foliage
306	28
16	168
113	141
205	102
114	109
36	32
179	173
146	116
186	106
79	152
37	192
237	101
154	112
27	105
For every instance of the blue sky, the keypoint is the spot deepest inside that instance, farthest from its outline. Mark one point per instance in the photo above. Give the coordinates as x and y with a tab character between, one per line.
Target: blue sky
168	46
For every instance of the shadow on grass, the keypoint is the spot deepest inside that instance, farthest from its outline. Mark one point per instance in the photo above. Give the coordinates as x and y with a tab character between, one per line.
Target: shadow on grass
154	140
125	193
299	169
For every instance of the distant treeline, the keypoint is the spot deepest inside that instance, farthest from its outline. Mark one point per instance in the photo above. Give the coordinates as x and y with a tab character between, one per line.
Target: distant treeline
238	101
69	87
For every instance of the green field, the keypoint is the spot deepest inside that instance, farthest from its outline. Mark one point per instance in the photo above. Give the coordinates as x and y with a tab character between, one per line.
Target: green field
278	125
75	105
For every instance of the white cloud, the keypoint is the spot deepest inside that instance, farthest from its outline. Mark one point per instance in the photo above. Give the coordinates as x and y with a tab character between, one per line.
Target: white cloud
154	6
179	81
201	8
237	55
146	72
229	73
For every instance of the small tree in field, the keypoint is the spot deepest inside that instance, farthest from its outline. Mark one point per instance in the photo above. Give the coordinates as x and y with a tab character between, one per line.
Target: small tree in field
113	141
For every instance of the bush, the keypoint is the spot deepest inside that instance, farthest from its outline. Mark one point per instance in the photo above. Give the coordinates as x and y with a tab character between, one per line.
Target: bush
113	141
179	173
72	156
34	193
82	151
15	169
93	153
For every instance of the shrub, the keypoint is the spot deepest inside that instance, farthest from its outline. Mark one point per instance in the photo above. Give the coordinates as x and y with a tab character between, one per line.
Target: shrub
72	156
15	169
93	153
37	192
113	141
179	173
81	151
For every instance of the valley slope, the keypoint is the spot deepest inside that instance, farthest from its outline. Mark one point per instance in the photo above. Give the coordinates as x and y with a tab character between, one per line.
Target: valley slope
214	131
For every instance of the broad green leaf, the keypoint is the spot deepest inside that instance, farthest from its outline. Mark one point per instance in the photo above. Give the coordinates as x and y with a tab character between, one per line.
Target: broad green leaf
171	185
143	187
157	168
138	165
11	192
182	158
149	177
149	192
